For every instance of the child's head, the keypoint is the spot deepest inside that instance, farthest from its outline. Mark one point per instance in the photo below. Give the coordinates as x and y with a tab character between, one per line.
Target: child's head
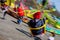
37	15
52	34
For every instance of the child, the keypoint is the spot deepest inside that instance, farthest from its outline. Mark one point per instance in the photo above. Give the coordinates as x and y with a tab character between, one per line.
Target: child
20	15
36	22
52	36
4	11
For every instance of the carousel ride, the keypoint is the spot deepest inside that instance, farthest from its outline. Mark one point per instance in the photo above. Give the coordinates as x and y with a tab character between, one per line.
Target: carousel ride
32	6
49	13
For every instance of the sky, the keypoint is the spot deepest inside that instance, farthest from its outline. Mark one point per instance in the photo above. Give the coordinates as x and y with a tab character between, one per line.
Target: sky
57	4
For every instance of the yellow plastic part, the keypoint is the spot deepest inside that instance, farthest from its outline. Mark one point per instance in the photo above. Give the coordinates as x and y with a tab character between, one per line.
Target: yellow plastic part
7	2
12	5
58	26
27	12
38	27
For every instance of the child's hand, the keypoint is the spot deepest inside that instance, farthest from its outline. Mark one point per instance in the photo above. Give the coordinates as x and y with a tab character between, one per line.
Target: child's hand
25	20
